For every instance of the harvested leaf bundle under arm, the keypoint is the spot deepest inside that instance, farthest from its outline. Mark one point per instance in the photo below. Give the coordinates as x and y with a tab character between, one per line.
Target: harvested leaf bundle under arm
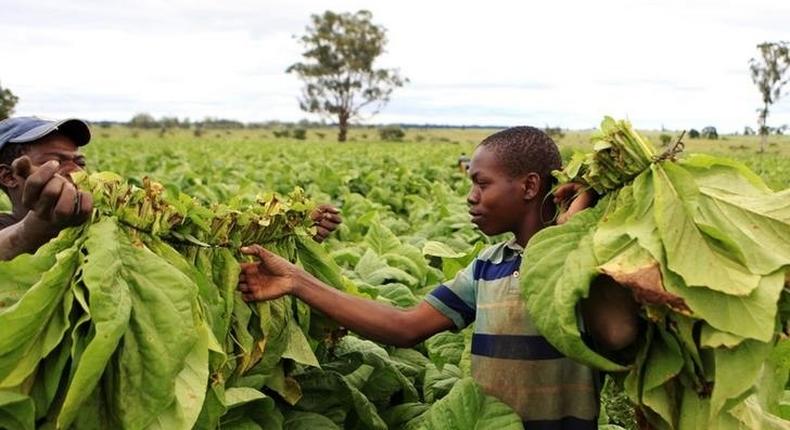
704	245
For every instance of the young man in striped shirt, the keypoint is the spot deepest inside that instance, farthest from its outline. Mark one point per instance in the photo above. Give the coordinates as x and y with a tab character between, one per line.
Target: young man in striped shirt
511	177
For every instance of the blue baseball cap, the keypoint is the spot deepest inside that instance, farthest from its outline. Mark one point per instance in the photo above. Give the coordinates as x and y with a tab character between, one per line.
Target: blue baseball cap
26	129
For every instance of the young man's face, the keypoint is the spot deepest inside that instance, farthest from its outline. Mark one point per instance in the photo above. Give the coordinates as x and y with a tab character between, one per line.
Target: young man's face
496	200
60	148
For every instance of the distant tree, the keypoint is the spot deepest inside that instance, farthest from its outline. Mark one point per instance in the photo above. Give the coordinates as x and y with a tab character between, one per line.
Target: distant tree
7	102
299	133
748	131
769	73
338	71
665	139
143	120
391	133
554	132
709	132
693	134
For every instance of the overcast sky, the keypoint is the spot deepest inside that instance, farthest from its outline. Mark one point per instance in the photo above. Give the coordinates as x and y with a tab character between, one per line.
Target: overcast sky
677	64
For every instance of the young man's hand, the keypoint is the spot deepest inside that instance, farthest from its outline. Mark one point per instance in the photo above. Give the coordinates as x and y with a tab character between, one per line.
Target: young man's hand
269	278
326	218
53	200
576	197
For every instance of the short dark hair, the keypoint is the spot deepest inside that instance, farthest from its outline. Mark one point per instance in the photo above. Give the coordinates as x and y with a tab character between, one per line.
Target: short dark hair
523	150
9	153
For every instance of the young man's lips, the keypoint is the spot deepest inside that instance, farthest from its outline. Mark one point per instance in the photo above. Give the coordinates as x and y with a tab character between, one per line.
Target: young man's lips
475	216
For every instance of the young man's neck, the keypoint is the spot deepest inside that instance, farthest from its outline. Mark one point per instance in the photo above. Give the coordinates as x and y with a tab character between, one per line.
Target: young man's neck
534	223
527	229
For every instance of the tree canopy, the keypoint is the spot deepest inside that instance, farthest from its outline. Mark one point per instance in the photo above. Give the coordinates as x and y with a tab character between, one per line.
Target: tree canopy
7	102
338	71
769	73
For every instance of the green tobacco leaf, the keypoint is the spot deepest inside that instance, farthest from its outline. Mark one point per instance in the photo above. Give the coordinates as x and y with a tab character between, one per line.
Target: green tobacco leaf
369	263
300	420
557	269
438	382
162	331
328	394
387	378
396	294
445	347
19	274
712	338
467	407
315	261
296	346
439	249
16	411
399	415
689	254
745	361
750	415
110	310
752	316
664	362
190	389
381	239
250	409
758	225
724	174
35	325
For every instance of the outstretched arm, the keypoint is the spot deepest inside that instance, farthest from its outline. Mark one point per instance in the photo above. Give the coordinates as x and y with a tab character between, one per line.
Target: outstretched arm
273	276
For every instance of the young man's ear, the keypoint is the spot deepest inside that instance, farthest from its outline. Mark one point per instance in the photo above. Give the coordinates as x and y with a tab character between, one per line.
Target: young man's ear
531	184
7	178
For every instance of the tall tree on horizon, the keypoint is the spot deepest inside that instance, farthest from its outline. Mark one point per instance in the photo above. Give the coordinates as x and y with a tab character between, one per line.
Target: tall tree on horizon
769	73
338	72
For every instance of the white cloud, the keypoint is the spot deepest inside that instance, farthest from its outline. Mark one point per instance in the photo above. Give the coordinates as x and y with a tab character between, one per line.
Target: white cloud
674	63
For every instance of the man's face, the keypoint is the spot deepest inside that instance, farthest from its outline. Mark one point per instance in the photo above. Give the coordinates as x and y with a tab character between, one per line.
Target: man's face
60	148
496	200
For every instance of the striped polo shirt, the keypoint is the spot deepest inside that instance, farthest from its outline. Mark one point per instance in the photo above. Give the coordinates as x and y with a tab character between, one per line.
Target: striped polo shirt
510	359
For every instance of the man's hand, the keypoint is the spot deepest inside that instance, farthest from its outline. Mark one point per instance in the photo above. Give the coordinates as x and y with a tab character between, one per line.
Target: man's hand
326	218
268	279
575	197
54	201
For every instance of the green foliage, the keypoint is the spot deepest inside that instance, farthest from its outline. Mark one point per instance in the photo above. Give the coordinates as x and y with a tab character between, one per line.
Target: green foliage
299	134
404	202
709	132
143	120
338	72
391	133
694	134
7	103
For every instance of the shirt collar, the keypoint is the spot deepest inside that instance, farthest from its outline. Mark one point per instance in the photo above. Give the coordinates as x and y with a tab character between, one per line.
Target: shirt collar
507	251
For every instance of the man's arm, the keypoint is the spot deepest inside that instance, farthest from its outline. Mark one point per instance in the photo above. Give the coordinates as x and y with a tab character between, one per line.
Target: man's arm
274	277
53	203
610	313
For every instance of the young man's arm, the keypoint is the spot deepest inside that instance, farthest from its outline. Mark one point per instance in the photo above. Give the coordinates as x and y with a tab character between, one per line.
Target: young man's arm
274	277
53	203
610	313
